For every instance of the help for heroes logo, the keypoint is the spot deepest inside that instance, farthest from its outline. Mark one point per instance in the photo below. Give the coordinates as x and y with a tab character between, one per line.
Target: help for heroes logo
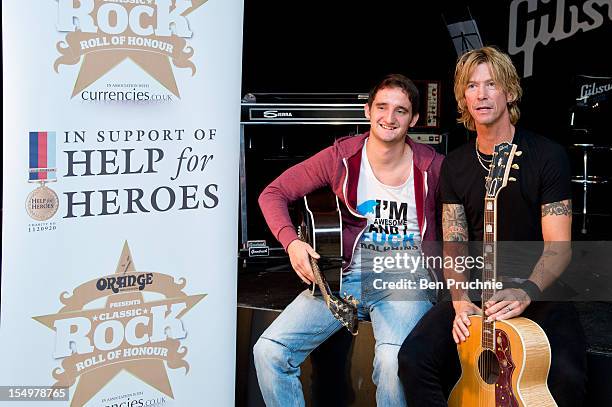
150	32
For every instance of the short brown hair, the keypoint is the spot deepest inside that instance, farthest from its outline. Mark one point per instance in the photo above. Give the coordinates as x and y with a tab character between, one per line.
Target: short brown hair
503	72
397	80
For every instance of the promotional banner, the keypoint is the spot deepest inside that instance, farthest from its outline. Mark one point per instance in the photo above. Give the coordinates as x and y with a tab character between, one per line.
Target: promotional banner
119	205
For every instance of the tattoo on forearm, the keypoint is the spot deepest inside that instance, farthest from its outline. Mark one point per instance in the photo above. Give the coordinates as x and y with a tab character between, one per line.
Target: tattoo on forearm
454	223
561	208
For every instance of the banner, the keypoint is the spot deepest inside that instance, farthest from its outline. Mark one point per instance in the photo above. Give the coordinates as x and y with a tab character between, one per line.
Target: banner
119	212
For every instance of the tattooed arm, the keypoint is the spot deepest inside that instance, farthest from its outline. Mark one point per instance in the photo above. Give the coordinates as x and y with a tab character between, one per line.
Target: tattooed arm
557	234
454	223
557	253
455	232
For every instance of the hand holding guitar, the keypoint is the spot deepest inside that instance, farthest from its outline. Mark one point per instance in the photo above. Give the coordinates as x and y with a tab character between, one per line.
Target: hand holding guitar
463	309
506	304
320	226
299	255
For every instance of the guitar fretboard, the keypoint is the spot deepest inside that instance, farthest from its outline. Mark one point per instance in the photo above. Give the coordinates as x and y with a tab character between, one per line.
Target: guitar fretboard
489	271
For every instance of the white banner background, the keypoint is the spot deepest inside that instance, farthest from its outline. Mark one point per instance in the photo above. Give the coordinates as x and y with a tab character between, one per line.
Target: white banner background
198	245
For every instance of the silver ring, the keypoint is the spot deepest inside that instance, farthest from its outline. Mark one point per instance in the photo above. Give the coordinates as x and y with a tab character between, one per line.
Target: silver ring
508	309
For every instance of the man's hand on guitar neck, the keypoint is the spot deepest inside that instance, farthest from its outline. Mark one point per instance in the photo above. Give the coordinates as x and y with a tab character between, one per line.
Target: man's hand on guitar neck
506	304
463	308
299	255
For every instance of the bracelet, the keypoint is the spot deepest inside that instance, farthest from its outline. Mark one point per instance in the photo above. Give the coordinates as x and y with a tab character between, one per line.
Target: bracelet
532	289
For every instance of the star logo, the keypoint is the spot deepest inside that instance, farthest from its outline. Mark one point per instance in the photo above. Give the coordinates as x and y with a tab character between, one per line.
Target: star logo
127	334
150	34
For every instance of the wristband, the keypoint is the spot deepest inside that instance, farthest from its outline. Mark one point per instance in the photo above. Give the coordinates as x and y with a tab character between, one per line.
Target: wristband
532	289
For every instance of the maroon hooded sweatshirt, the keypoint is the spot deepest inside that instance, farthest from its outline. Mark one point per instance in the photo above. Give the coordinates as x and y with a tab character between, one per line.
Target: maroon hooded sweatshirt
338	167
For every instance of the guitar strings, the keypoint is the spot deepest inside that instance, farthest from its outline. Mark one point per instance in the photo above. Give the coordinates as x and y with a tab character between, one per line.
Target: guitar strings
489	335
491	238
488	328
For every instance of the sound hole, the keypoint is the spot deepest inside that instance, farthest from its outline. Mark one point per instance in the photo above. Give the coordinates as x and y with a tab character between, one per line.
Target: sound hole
488	366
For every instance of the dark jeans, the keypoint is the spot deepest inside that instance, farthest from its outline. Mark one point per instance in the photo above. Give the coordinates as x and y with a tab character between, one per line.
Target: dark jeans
429	365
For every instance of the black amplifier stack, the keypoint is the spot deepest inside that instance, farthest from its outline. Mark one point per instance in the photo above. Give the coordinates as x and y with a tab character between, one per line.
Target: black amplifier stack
280	130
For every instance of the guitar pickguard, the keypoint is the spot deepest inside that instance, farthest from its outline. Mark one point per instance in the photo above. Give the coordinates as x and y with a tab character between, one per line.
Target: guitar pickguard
504	393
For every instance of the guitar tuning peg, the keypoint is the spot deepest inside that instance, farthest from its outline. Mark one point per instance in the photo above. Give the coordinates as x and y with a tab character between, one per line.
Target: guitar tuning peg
518	153
511	179
515	166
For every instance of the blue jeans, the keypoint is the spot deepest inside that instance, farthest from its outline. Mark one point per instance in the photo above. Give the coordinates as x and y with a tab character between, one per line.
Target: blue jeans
306	323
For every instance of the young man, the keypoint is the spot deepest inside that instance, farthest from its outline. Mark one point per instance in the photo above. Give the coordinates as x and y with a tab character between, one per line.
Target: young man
383	168
537	207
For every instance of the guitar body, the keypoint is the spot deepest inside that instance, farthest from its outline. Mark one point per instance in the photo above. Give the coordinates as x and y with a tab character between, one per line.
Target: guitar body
515	376
320	225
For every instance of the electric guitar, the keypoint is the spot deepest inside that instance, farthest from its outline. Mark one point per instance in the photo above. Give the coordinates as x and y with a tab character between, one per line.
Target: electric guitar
503	363
320	225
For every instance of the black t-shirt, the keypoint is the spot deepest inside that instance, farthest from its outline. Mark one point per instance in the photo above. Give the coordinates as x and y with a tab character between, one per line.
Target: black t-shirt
543	177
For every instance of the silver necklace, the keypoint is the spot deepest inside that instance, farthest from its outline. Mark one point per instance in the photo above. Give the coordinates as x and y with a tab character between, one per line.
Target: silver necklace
484	163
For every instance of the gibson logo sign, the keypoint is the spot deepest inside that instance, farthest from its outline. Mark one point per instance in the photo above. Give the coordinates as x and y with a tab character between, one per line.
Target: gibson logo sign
590	16
593	89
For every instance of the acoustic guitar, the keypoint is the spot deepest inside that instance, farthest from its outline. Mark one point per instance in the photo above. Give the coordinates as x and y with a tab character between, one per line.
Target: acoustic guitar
503	363
320	225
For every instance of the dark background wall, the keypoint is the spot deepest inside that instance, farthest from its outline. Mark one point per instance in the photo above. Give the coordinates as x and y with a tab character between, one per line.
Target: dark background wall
346	46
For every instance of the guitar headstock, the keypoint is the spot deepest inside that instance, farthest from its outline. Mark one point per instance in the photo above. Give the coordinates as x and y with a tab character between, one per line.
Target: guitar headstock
345	310
499	170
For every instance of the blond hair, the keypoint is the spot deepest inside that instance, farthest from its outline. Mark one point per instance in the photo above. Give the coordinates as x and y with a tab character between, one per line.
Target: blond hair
503	73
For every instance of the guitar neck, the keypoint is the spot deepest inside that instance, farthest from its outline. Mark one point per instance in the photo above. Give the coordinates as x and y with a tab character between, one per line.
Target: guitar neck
489	248
496	180
320	281
321	227
489	272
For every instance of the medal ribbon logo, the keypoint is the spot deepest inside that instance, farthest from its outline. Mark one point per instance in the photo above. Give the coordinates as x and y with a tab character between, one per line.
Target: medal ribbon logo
42	156
42	203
